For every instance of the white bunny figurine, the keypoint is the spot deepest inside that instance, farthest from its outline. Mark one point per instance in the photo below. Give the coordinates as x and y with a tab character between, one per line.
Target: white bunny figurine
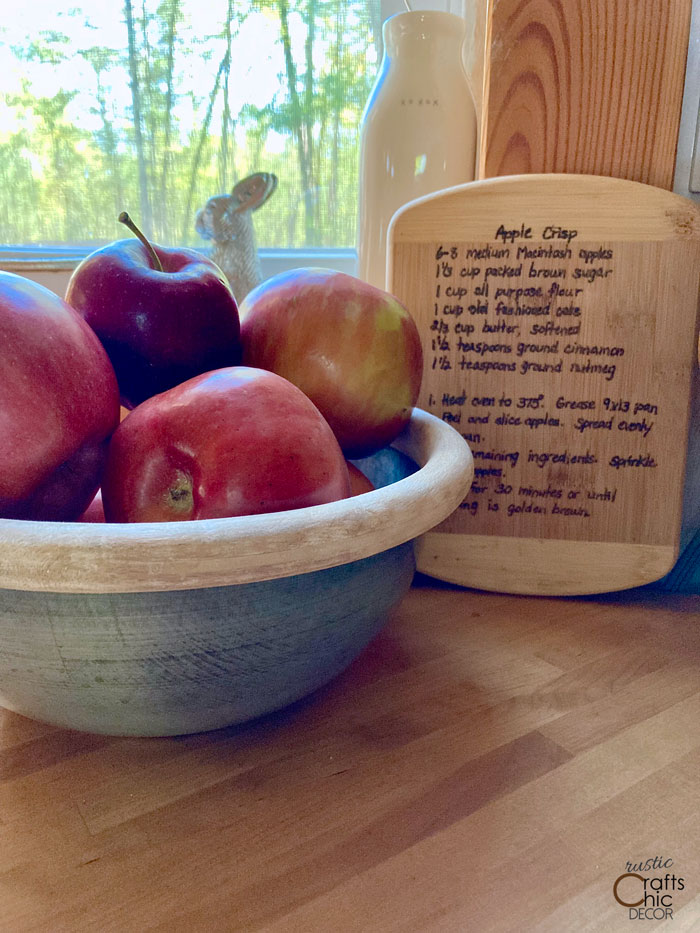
227	220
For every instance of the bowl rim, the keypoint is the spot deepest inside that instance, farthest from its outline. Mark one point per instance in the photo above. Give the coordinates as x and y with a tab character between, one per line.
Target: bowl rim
76	557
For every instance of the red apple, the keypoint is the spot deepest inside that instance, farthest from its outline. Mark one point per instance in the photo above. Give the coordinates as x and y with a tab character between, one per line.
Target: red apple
352	348
237	441
159	326
359	483
59	404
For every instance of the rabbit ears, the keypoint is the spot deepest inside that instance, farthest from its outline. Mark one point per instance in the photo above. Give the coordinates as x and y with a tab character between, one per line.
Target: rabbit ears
252	192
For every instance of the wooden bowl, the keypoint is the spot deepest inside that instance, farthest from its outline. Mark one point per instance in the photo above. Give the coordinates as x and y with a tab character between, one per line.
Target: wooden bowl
169	628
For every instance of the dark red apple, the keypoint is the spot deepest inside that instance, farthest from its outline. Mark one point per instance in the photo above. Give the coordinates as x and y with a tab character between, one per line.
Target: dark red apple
159	326
353	349
59	404
237	441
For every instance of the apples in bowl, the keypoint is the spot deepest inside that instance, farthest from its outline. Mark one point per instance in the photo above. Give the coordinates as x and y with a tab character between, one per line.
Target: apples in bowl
160	628
235	572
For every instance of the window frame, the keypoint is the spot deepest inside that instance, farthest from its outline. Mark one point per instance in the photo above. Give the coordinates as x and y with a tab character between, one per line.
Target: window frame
52	267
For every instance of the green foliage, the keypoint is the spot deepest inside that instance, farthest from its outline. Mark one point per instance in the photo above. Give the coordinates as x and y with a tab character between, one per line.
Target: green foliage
191	123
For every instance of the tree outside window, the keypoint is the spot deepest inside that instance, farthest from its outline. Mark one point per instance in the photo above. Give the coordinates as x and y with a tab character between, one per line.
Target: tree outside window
153	107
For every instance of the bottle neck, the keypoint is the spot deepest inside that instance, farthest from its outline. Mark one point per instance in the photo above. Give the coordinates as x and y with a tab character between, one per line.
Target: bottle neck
423	34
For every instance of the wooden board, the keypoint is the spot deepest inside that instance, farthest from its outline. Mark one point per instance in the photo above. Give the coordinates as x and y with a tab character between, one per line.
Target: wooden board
558	315
589	86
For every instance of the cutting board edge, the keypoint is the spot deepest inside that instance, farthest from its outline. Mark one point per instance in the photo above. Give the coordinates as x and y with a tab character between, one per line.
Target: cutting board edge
656	204
541	566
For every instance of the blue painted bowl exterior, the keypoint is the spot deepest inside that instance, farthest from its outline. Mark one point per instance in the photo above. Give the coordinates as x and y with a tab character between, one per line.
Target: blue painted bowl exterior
166	663
191	660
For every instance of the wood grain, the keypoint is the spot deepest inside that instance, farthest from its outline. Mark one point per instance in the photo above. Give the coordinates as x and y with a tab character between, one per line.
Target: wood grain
541	566
489	763
624	211
544	387
584	86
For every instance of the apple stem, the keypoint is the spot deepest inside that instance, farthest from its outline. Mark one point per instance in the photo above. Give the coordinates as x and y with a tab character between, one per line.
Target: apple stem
128	222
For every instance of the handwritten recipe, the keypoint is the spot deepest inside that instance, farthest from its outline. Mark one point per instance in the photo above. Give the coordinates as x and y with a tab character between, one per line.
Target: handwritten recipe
533	355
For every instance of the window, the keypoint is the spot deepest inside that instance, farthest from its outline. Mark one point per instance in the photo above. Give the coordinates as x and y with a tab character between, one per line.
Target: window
153	106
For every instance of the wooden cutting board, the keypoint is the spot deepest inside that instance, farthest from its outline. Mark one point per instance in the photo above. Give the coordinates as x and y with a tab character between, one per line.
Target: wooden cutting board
559	321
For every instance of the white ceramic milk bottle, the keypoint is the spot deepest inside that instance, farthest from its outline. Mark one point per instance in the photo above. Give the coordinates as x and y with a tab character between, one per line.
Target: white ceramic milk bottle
418	129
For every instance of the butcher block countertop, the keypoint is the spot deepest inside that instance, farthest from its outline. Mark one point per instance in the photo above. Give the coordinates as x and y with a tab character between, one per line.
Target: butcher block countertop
490	763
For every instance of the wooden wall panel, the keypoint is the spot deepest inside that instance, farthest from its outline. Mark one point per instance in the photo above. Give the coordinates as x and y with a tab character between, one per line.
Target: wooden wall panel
584	86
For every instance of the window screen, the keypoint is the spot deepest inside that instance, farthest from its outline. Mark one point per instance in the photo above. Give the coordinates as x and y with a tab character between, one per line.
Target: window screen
154	107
